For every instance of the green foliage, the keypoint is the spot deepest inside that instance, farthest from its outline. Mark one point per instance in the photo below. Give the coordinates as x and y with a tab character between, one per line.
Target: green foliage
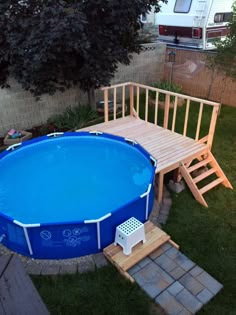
49	46
225	59
73	118
168	86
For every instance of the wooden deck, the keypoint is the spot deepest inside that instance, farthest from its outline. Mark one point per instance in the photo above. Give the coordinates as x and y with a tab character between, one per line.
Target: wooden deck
167	147
171	150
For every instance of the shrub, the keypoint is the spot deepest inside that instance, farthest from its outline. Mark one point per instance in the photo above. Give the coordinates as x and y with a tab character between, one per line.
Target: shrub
168	86
73	118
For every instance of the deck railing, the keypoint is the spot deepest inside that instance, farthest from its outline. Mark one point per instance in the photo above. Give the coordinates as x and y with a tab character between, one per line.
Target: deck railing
119	94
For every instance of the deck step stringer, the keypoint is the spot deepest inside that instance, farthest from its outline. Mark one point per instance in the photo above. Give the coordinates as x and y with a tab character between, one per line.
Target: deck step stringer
209	166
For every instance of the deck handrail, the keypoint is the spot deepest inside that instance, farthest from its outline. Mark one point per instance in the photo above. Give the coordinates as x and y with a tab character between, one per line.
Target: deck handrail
129	89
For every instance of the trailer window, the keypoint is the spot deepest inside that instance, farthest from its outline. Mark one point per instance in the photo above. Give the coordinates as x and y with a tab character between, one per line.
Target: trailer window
222	17
182	6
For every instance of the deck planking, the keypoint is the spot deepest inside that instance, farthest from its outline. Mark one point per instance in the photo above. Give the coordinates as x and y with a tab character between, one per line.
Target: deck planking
167	147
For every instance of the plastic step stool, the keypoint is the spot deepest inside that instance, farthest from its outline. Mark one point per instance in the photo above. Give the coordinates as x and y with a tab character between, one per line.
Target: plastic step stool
128	234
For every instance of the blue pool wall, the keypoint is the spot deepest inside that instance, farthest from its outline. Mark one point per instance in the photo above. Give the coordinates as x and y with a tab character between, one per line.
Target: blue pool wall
73	239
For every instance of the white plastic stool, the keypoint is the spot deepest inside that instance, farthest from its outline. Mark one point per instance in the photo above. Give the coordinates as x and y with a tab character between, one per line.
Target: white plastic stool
128	234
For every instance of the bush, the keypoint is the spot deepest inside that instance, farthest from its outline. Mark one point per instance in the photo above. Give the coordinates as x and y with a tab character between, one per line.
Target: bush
168	86
73	118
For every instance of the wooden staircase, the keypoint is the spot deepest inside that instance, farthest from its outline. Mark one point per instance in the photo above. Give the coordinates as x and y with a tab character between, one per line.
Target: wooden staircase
210	166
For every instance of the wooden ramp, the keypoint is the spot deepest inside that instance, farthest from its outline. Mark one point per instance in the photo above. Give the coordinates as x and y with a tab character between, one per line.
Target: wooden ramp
209	167
155	237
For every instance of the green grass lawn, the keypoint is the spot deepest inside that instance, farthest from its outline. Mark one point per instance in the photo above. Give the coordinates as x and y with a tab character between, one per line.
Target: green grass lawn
205	235
103	292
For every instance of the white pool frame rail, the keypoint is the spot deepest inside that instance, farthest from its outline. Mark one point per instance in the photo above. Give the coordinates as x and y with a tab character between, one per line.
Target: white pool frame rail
25	226
97	221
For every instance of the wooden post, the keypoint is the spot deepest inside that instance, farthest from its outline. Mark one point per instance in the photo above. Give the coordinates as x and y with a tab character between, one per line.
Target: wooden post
174	113
146	106
166	114
160	186
137	101
106	105
131	99
123	101
156	108
186	117
114	102
212	126
199	122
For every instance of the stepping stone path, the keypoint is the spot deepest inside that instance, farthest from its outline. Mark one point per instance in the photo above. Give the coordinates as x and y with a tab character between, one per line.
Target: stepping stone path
176	283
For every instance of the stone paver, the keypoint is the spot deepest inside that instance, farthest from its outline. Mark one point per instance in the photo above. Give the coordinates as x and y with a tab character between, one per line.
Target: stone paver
166	246
177	273
184	312
184	262
144	262
153	279
162	218
167	201
50	269
86	264
158	252
172	252
189	301
134	269
195	271
209	282
175	288
169	303
166	263
191	284
205	296
32	268
100	260
68	269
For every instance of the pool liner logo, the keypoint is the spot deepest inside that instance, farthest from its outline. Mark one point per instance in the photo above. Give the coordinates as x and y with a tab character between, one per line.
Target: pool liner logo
74	241
46	235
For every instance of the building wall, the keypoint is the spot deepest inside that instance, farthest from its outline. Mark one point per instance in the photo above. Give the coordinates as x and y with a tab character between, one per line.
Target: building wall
19	109
190	70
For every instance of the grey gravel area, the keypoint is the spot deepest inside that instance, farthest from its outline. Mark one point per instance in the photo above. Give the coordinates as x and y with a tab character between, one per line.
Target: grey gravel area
62	266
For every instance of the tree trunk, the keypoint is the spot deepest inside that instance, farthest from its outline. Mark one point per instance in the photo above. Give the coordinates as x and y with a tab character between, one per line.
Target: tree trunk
91	98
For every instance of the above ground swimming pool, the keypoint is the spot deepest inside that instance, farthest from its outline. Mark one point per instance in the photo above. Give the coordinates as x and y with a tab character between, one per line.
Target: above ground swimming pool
62	195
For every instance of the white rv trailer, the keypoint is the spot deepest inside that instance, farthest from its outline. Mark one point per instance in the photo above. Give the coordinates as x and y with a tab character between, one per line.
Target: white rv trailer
194	23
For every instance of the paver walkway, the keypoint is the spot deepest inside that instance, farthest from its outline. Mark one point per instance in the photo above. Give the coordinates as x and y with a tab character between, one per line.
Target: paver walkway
174	281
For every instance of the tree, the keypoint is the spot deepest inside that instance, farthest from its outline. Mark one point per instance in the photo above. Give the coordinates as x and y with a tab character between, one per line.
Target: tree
50	45
225	59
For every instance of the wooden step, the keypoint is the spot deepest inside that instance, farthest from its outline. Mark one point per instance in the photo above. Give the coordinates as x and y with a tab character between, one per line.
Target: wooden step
204	175
192	186
155	237
198	165
216	182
